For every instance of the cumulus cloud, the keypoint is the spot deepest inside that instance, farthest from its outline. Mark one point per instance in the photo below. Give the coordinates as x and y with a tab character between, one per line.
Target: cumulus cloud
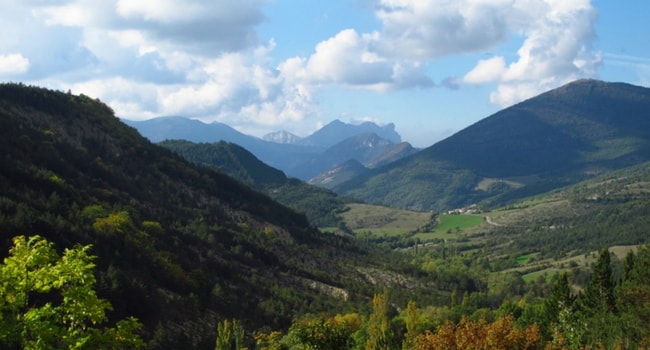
201	58
195	58
556	50
13	64
350	59
556	46
425	30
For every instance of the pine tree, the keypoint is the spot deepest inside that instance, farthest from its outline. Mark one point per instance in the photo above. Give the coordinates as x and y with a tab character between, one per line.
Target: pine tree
560	299
599	294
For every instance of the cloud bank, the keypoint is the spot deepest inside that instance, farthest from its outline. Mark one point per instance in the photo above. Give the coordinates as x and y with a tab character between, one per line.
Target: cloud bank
206	59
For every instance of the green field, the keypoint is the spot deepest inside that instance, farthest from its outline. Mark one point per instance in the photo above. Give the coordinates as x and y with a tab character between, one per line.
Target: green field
524	259
454	223
380	221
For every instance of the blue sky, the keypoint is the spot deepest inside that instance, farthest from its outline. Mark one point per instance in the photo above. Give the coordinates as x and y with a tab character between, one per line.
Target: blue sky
430	67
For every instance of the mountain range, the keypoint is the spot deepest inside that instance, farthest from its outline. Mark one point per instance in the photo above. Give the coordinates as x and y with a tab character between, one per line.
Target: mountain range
560	137
552	140
185	241
179	246
303	158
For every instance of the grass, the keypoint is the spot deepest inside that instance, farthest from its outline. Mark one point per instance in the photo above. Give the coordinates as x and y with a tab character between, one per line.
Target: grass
458	222
533	276
524	259
380	220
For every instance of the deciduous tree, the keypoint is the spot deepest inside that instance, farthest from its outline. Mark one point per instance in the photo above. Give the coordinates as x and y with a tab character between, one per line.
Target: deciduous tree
47	301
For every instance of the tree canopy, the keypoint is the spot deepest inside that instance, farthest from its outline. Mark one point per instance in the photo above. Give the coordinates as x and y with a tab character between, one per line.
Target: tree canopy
48	301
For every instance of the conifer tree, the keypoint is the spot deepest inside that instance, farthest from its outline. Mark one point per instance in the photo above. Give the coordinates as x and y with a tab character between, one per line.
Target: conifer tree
599	294
560	299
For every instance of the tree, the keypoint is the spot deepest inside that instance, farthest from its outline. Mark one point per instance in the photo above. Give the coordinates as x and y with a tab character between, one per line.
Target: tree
560	299
379	324
321	332
634	299
598	314
412	323
599	293
47	301
227	332
468	334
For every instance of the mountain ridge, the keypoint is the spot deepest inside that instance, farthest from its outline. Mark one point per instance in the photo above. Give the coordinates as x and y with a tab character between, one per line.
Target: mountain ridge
559	137
179	246
297	157
320	205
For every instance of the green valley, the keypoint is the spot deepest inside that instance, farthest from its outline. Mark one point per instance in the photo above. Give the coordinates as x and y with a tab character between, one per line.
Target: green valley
201	246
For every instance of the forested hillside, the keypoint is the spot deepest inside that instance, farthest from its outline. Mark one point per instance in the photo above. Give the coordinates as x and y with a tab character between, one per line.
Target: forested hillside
178	246
561	137
320	205
202	261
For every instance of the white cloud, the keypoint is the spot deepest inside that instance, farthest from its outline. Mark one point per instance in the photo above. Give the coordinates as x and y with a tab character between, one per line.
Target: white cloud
424	30
556	46
13	64
349	59
204	58
556	50
486	71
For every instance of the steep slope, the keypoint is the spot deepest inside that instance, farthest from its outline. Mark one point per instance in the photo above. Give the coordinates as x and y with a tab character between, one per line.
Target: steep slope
320	205
361	147
557	138
339	174
283	156
281	137
301	158
337	131
178	246
368	150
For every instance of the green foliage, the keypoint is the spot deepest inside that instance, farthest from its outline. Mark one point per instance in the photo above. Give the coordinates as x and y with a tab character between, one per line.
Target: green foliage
379	331
599	297
229	333
177	244
412	321
49	301
325	333
552	140
319	205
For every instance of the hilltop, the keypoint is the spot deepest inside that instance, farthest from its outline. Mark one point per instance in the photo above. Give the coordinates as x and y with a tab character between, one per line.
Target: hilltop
563	136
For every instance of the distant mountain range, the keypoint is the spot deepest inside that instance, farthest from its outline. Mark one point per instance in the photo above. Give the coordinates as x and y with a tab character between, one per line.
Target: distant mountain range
304	158
281	137
579	130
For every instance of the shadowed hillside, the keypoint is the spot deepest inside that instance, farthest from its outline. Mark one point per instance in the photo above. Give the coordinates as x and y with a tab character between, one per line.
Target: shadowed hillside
557	138
178	246
320	205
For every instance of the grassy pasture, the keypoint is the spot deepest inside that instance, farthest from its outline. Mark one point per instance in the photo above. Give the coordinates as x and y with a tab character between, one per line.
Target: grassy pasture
524	259
458	222
380	220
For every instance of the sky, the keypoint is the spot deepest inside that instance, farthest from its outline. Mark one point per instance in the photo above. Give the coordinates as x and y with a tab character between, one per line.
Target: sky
431	67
